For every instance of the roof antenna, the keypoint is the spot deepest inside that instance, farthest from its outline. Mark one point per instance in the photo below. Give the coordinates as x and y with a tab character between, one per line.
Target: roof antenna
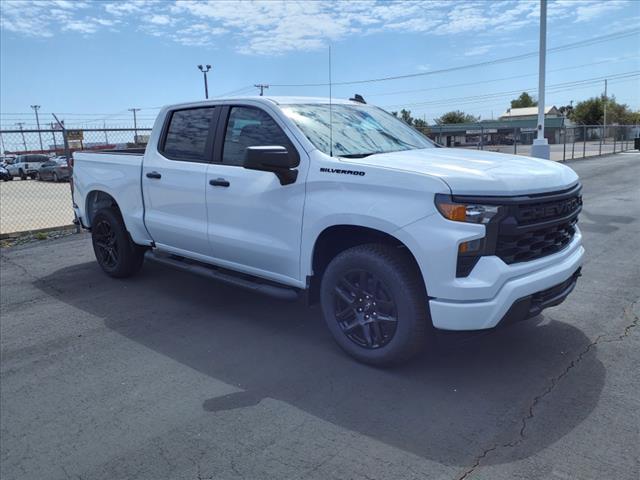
330	109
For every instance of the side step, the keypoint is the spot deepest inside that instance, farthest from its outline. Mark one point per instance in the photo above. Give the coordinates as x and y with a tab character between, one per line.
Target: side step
237	279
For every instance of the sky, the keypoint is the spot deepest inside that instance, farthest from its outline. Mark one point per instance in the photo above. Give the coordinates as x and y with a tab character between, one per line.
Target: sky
90	61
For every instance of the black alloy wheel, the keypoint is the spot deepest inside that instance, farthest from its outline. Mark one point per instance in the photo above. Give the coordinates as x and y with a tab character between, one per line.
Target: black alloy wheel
375	304
365	310
106	244
115	251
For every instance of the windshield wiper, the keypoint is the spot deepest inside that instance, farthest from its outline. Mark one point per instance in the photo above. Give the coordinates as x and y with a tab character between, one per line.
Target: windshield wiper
357	155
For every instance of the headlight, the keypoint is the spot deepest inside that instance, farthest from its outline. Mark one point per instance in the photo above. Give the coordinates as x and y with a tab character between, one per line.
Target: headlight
465	212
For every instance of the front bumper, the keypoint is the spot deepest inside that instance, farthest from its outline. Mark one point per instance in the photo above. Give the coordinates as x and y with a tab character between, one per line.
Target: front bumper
533	305
519	297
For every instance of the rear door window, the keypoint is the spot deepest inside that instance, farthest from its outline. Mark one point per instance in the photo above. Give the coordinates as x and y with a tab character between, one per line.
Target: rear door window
187	136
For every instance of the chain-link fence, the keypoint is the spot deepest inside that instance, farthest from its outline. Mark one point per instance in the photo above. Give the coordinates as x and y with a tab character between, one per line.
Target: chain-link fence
35	193
40	195
566	143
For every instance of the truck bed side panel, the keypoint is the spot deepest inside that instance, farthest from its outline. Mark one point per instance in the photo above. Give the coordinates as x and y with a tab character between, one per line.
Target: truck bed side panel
117	175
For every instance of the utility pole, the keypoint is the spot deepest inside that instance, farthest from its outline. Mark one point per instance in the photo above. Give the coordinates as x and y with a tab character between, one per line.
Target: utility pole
604	121
204	72
20	124
540	147
135	124
261	86
35	109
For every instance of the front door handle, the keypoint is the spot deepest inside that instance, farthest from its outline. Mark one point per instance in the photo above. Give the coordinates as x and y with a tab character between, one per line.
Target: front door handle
219	182
153	175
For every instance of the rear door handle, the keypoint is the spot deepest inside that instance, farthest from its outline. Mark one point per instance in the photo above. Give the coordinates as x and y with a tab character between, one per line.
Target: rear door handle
219	182
153	175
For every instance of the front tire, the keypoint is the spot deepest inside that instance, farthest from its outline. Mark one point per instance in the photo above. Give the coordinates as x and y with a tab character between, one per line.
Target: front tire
375	305
55	177
23	176
116	253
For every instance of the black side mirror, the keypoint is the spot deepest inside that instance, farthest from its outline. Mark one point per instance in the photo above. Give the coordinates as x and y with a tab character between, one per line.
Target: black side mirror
273	158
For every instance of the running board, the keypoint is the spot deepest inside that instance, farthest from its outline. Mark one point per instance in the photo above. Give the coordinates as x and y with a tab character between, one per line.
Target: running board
239	280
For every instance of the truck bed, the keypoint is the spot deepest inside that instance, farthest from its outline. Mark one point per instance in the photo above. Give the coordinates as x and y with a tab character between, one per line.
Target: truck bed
118	174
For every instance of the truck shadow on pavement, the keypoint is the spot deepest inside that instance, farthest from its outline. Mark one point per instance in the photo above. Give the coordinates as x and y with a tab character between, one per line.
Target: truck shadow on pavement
524	387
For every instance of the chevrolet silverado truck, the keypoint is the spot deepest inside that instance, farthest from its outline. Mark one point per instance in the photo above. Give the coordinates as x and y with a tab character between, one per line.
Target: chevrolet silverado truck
344	204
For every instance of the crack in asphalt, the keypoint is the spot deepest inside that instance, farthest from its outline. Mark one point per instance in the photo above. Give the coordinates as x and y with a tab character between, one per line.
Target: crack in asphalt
628	313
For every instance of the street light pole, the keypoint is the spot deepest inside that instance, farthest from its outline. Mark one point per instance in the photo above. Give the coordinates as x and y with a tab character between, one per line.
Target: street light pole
540	147
204	71
35	109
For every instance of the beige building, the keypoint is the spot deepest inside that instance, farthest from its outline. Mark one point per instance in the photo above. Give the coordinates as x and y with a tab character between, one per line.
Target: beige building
529	113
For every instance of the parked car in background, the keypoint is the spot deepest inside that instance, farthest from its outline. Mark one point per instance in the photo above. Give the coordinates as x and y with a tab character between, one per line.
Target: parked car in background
26	166
5	176
56	169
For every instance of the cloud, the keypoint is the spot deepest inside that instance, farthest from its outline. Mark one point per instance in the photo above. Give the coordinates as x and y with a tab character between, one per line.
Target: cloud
80	26
478	50
160	19
276	27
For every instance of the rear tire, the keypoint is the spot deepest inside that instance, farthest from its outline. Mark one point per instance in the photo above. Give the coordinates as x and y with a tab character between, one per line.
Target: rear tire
115	252
55	177
375	305
22	175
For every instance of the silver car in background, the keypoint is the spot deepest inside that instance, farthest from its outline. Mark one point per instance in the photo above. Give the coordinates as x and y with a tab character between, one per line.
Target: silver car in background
56	169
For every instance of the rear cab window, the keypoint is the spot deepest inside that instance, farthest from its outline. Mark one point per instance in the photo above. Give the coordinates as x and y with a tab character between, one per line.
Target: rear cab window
188	134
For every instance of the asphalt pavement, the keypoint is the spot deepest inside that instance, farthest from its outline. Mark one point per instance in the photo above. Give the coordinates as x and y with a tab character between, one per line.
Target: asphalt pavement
172	376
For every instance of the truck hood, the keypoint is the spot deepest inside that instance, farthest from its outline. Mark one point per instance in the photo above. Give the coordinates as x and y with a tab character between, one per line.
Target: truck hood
478	172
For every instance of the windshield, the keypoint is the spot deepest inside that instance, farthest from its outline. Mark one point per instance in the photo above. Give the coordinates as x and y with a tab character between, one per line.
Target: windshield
358	130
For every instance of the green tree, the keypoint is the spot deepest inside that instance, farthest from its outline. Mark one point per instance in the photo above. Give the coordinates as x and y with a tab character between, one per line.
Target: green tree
566	110
588	112
591	112
456	116
405	115
523	101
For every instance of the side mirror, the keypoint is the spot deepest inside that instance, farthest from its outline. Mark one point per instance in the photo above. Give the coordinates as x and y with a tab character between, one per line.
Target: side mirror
273	158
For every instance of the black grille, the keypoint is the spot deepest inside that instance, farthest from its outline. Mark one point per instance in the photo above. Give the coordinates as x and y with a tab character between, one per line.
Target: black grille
537	228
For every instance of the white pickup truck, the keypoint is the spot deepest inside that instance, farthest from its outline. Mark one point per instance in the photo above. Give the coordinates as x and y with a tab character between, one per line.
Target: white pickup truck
393	235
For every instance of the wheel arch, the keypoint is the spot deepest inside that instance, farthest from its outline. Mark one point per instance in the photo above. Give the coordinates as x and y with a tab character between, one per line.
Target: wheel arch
338	238
97	200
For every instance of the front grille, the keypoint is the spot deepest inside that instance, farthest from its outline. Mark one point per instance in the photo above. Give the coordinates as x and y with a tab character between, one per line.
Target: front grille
536	244
538	227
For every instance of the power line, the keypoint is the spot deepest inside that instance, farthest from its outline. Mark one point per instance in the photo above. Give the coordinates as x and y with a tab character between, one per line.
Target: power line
444	87
568	46
514	92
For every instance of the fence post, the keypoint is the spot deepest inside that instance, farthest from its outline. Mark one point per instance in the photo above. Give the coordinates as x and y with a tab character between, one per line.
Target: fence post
481	137
584	142
564	145
614	139
573	144
67	153
600	147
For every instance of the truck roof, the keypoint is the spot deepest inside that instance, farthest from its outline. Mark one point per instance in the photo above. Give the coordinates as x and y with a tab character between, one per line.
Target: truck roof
274	100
